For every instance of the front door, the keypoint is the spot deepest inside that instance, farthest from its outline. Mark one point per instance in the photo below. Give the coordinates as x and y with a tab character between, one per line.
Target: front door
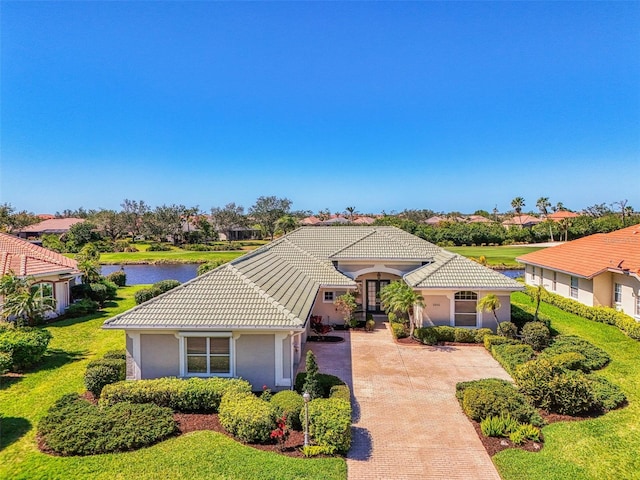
373	295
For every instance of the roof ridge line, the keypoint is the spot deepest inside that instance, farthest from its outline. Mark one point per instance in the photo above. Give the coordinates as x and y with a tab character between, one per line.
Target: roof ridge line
374	230
442	252
261	249
411	247
322	263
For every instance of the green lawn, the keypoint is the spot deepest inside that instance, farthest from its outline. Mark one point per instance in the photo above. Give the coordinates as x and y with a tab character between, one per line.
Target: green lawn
602	448
496	256
23	401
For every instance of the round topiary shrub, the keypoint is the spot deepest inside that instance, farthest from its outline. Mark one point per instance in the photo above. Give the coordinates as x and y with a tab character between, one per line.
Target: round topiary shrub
247	417
330	423
426	335
536	334
119	277
144	295
481	333
594	357
464	335
288	404
507	329
165	285
97	377
26	345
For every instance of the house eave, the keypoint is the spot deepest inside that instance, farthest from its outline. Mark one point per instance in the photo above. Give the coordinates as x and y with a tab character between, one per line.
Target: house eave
567	272
205	328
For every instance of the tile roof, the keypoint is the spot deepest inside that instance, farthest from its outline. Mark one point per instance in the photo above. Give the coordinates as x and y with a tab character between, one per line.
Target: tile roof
522	220
561	215
53	225
276	285
24	258
587	257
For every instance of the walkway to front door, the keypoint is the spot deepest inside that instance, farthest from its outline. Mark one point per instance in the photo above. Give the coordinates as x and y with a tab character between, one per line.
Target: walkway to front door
407	421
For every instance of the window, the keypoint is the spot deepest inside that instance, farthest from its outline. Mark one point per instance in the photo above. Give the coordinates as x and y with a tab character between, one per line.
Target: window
328	297
44	289
554	282
574	287
465	314
207	356
617	294
533	274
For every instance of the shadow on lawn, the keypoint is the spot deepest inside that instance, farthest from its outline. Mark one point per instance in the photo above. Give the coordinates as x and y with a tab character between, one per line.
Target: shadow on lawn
12	429
56	358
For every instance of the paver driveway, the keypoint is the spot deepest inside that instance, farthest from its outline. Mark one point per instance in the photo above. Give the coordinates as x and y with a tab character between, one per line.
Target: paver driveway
407	421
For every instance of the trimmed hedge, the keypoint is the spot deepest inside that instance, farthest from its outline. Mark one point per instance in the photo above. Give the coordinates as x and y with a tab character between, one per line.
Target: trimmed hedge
491	340
74	426
289	404
82	307
325	381
247	417
25	346
190	395
165	285
510	356
606	315
330	423
342	392
156	289
492	397
103	372
443	333
594	358
399	330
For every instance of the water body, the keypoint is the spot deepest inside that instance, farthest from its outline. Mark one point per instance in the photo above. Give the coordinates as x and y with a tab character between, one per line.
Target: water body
145	274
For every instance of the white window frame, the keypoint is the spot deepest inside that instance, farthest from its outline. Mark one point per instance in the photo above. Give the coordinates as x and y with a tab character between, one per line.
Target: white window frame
574	291
617	294
533	273
183	353
554	281
39	286
326	293
471	299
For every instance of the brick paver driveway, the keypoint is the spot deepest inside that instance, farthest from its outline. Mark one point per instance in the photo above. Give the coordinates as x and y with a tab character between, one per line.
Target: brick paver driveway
407	421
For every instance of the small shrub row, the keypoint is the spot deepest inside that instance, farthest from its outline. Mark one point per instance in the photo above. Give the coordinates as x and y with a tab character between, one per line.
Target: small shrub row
82	307
190	395
105	371
206	267
594	358
325	381
443	333
23	347
158	247
156	289
98	292
606	315
510	356
492	340
74	426
494	397
220	247
247	417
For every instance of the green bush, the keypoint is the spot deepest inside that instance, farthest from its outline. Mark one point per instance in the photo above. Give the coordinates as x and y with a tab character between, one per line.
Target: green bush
330	423
25	345
507	329
491	340
464	335
158	247
426	335
289	404
190	395
481	333
103	372
325	381
6	362
529	432
598	314
493	397
206	267
567	360
594	358
82	307
571	393
399	330
520	317
165	285
445	333
605	395
73	426
117	354
510	356
315	450
112	288
247	417
498	426
98	293
145	294
118	277
536	334
79	292
340	391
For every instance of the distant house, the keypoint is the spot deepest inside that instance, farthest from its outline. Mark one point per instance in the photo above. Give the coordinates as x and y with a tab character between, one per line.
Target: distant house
521	221
364	221
434	220
312	220
53	272
561	215
601	269
478	219
57	226
251	317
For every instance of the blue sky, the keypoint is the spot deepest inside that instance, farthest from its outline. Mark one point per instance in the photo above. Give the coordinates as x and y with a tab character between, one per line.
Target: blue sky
381	106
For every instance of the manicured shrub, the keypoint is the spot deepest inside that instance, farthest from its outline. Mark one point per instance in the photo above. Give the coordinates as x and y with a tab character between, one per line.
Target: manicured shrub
82	307
112	288
426	335
464	335
165	285
315	450
289	404
399	330
98	293
97	377
594	358
494	397
510	356
6	362
536	334
330	423
498	426
445	333
73	426
144	295
190	395
568	360
117	354
491	340
325	381
206	267
481	333
81	291
571	393
247	417
507	329
25	345
158	247
119	277
605	395
340	391
311	384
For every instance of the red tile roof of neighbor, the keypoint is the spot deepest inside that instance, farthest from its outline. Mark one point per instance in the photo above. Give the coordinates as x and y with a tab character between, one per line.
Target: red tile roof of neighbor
521	220
24	258
561	215
587	257
52	225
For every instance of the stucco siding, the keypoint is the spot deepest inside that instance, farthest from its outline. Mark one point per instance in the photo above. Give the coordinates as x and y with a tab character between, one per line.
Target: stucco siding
437	310
159	356
603	290
286	357
630	289
255	359
131	372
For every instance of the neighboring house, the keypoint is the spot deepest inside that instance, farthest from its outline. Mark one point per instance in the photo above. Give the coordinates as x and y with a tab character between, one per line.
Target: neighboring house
562	215
364	221
310	220
601	269
57	226
478	219
521	221
53	272
435	220
251	316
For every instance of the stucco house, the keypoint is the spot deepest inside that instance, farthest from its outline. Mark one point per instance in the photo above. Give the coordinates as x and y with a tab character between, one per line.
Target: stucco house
57	226
521	221
54	273
251	317
601	269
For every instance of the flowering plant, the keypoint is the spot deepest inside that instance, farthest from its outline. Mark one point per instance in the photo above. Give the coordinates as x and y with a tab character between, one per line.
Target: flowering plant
281	432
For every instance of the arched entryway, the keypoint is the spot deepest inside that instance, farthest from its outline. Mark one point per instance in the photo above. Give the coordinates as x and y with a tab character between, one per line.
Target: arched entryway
369	286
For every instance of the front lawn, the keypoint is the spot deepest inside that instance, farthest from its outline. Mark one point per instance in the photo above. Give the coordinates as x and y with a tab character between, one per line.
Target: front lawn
24	400
601	448
496	256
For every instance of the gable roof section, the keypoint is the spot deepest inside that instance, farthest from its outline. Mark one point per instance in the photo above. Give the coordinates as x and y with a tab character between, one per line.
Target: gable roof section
52	225
522	220
387	244
587	257
450	270
24	258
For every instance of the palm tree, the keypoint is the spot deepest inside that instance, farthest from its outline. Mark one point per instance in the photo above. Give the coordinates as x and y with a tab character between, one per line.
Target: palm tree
401	298
517	204
543	204
287	223
490	303
24	300
351	211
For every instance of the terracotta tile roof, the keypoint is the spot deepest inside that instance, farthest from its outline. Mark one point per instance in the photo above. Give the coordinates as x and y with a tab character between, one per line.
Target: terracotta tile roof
24	258
364	221
434	220
522	220
561	215
587	257
478	219
53	225
309	220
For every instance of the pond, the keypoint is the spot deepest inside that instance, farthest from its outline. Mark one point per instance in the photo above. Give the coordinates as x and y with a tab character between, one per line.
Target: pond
512	273
145	274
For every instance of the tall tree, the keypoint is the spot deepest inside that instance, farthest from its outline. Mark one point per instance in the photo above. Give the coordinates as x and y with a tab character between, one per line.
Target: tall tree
517	204
351	212
10	220
267	210
24	299
623	208
167	222
227	218
490	303
134	212
543	204
110	223
287	223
